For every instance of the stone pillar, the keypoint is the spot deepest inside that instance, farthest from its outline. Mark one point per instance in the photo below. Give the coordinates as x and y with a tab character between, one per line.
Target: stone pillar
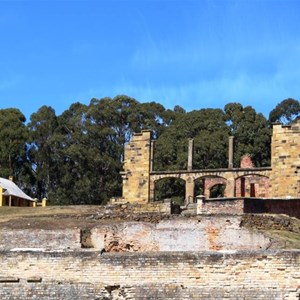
189	190
151	190
136	174
190	155
230	152
152	156
200	204
230	188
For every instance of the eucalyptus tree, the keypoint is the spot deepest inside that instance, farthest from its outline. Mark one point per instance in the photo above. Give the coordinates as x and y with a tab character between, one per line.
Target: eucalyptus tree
251	132
13	146
42	127
285	111
210	134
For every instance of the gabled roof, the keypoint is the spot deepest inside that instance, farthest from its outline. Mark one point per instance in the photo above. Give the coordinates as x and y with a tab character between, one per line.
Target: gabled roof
11	189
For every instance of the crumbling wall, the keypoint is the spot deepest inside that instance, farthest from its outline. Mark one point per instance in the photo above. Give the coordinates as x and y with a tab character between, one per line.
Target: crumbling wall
198	234
199	275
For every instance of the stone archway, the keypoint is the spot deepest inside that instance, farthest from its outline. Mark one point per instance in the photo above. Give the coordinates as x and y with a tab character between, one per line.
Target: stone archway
170	188
208	182
217	190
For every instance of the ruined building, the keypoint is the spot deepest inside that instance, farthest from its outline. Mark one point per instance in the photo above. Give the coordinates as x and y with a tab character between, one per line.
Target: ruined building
280	180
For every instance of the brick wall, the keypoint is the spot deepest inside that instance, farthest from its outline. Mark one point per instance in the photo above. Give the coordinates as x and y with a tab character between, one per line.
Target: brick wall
177	275
261	186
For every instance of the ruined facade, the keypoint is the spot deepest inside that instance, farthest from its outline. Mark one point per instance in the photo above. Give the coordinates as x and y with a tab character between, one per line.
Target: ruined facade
280	180
285	176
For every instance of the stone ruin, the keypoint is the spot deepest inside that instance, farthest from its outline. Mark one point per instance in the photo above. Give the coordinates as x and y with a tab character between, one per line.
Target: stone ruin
280	180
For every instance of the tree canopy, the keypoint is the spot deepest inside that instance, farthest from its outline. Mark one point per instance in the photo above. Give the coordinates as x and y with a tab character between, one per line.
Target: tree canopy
76	157
285	112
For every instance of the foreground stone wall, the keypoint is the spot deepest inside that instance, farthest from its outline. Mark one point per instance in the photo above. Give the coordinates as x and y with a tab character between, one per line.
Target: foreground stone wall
205	233
177	234
177	275
39	238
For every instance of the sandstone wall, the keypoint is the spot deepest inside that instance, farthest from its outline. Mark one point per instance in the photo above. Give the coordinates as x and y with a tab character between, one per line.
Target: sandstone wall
285	178
137	168
195	275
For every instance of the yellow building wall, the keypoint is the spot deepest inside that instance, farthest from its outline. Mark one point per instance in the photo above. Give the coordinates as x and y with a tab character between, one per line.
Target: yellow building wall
285	177
137	168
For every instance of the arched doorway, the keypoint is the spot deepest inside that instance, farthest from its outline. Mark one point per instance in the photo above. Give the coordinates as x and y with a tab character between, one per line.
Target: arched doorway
170	188
217	190
210	186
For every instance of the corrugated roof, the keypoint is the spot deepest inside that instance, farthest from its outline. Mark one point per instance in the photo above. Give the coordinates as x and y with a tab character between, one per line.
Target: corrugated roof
11	189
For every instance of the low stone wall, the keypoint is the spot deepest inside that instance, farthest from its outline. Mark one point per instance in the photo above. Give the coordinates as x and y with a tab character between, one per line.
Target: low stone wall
151	207
271	222
220	206
197	234
195	275
290	207
39	238
238	206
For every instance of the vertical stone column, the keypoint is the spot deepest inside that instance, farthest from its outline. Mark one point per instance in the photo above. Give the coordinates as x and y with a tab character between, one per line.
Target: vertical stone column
189	190
1	196
152	156
200	204
230	152
230	188
136	174
190	155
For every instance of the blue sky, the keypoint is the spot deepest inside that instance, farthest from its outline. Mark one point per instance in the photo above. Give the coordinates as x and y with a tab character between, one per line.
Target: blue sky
192	53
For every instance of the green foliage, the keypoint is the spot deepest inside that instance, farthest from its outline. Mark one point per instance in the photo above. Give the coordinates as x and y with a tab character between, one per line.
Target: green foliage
285	112
251	134
76	157
13	147
210	134
170	188
42	128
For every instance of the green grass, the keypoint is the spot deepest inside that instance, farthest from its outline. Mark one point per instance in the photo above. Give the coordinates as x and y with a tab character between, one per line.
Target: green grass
287	239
